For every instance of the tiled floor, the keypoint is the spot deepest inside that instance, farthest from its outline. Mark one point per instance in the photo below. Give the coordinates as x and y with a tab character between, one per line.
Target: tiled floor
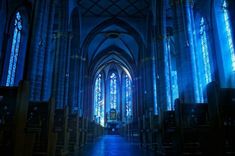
112	145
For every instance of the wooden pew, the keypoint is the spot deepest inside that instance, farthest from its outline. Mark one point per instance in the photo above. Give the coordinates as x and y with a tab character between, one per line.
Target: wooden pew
61	129
82	131
154	132
227	115
94	131
86	121
131	131
134	135
141	126
222	116
40	122
123	130
146	131
13	115
73	126
91	132
100	131
167	133
193	128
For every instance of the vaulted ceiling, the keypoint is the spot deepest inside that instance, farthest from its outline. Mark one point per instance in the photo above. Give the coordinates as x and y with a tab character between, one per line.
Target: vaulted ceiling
113	36
117	8
112	32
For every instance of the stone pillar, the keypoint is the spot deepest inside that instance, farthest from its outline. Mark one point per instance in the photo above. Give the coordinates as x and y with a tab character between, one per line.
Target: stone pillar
43	10
162	62
59	76
49	55
186	65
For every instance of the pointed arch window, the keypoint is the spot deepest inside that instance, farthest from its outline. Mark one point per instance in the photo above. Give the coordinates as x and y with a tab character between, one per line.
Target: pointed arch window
14	50
172	85
205	53
113	91
203	61
229	33
99	100
128	97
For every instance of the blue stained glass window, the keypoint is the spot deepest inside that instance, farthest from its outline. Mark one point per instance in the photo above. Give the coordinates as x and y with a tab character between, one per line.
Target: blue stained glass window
167	60
172	85
128	97
98	101
113	91
205	54
175	89
14	50
229	34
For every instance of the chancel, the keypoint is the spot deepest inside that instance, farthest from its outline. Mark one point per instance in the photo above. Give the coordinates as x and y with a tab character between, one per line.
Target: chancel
117	77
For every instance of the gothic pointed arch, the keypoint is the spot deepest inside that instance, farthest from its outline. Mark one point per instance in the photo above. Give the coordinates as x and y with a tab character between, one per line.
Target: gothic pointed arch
124	28
14	53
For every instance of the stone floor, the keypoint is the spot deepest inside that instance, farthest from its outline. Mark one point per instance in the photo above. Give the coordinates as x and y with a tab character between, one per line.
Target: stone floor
112	145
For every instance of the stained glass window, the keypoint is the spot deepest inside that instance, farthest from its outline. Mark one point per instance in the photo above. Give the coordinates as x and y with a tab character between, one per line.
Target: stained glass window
203	64
128	97
14	50
205	54
174	83
113	91
229	34
99	101
167	61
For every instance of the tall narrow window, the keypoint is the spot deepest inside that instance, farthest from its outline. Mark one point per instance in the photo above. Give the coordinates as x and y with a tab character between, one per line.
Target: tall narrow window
174	84
167	59
203	61
173	92
98	101
14	50
205	54
113	91
128	97
229	34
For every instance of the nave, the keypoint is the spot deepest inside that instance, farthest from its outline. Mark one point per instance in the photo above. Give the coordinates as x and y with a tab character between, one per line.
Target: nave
113	145
79	77
36	128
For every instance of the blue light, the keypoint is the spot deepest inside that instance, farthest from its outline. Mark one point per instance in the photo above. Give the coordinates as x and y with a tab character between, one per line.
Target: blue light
113	91
167	76
175	90
128	98
14	51
206	60
229	34
99	101
155	88
191	45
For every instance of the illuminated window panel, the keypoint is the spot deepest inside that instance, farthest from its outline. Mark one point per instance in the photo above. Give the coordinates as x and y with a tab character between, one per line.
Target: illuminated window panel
205	54
113	91
174	81
172	87
229	34
128	97
98	101
14	50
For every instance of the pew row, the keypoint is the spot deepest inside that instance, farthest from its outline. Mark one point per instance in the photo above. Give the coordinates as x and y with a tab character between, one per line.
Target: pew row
193	129
61	129
40	123
13	116
74	133
222	118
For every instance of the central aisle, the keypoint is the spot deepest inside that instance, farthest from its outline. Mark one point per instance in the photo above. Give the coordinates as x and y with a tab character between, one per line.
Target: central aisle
112	145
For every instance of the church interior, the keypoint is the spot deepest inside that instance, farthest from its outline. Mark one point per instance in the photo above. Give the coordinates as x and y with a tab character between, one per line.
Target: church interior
117	77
